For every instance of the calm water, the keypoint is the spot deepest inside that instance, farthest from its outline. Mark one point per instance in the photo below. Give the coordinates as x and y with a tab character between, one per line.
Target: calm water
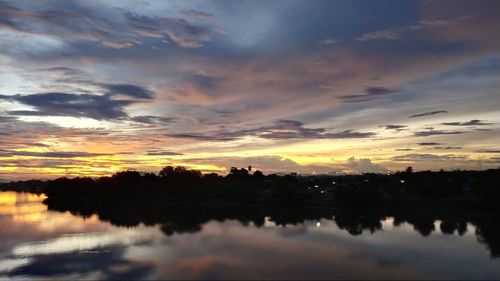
39	244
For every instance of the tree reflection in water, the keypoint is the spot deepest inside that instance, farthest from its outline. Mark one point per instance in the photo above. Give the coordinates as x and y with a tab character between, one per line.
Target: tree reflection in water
176	218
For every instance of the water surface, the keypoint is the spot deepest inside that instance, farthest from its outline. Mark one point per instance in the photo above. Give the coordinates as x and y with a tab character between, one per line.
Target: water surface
40	244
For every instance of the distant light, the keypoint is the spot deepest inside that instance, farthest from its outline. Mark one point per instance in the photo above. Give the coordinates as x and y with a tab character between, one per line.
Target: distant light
322	191
402	181
316	185
366	180
333	182
318	224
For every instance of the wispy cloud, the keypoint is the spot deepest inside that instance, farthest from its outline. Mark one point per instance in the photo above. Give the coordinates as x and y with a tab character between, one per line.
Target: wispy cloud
433	132
428	113
396	128
418	157
51	154
429	143
122	29
163	153
488	151
473	122
281	129
397	32
370	94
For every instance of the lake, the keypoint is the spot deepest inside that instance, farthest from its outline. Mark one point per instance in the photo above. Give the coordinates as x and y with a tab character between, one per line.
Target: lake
194	243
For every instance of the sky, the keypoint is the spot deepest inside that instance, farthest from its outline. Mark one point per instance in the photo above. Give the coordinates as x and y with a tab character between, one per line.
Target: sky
89	88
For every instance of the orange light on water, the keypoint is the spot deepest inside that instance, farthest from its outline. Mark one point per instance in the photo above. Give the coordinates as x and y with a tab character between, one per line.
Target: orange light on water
8	198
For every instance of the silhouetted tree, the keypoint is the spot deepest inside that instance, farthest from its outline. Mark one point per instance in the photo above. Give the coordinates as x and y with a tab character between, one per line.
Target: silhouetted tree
166	171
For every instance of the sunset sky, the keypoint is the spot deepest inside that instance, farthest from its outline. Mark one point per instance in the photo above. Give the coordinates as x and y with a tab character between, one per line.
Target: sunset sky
95	87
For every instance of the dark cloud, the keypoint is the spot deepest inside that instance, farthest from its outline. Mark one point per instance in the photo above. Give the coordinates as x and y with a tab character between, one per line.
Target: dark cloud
150	119
6	118
100	107
67	71
429	143
428	113
419	157
281	129
370	93
473	122
51	154
432	132
13	143
488	151
129	90
448	147
202	137
404	149
396	128
495	160
163	153
64	104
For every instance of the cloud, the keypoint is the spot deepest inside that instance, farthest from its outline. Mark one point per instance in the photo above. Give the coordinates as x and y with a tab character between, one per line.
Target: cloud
163	153
51	154
429	143
110	28
428	113
150	119
64	104
99	107
208	17
364	165
426	157
228	109
281	129
178	30
495	160
473	122
62	70
432	132
396	128
488	151
129	90
448	147
370	94
398	32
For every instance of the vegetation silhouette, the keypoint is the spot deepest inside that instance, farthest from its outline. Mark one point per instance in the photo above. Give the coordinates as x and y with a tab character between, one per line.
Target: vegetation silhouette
181	200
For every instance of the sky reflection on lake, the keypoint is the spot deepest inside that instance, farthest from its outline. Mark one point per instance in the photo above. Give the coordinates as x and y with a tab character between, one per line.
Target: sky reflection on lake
41	244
